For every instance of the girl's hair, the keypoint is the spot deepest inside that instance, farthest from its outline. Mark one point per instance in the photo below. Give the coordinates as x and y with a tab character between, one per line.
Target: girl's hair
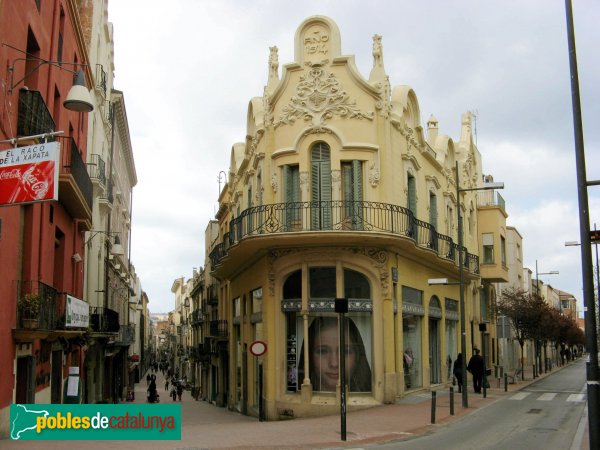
360	378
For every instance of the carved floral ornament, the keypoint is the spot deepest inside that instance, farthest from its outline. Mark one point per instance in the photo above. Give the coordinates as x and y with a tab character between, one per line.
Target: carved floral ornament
320	96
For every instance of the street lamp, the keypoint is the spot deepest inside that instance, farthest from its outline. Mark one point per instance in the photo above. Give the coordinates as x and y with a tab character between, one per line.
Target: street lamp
537	280
537	283
78	99
594	239
463	333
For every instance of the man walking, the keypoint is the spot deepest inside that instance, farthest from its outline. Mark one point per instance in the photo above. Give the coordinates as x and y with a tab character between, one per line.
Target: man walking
475	366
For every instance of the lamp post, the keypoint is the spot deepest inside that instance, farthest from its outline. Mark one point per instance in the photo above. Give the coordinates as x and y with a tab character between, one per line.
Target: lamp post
463	334
341	307
537	282
591	334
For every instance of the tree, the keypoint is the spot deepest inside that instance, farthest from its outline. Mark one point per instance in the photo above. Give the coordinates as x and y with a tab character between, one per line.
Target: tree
518	306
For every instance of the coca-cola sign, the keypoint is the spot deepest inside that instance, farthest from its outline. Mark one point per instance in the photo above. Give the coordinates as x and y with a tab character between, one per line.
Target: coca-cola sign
29	174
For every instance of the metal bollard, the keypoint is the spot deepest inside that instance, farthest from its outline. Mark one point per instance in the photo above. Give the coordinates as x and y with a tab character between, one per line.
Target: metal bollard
505	382
451	401
433	398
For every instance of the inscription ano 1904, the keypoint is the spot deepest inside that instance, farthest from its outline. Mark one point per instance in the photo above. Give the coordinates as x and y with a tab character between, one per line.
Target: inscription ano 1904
316	42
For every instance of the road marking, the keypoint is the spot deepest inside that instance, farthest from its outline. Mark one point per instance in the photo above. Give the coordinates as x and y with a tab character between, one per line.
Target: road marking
519	396
548	396
576	398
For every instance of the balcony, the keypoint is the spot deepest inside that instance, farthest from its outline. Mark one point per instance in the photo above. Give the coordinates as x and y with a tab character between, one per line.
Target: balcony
372	223
197	318
75	187
49	322
126	334
34	117
97	169
104	320
218	329
211	296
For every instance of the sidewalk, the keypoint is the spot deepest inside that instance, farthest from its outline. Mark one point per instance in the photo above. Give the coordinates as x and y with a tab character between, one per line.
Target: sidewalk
205	426
209	427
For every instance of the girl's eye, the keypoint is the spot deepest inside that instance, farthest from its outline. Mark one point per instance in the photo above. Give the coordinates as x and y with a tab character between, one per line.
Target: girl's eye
322	350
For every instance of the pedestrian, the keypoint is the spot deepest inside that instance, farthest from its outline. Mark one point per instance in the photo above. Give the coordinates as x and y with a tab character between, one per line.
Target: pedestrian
166	384
173	393
475	366
148	380
179	390
457	371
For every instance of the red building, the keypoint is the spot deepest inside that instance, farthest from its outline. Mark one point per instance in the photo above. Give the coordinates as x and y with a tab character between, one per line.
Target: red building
42	243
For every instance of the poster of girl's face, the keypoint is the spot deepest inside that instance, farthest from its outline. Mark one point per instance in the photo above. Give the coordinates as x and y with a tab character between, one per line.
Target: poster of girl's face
324	352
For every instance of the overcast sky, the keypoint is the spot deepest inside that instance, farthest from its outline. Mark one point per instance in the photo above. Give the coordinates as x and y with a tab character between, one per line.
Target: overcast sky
188	69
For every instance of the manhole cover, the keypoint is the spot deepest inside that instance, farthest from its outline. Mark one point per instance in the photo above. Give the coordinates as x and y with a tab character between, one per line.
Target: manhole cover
534	411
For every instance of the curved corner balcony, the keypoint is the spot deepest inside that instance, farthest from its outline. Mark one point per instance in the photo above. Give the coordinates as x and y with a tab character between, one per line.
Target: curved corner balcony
336	223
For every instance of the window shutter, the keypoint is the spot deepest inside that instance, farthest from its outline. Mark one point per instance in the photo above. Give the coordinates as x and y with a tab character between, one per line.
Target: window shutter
433	210
412	195
326	195
358	181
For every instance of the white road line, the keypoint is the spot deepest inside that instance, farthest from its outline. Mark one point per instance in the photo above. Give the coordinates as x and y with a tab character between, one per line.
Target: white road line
548	396
576	398
519	396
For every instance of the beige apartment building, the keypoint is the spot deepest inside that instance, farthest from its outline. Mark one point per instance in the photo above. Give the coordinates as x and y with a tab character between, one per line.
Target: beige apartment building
338	191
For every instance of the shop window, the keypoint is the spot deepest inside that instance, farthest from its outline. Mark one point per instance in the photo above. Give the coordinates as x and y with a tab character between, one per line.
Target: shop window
322	343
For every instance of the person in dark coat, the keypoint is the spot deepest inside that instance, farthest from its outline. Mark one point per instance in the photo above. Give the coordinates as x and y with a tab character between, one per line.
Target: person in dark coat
457	371
475	366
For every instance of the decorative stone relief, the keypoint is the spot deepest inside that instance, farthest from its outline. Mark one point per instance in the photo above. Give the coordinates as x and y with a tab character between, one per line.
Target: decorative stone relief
274	182
374	176
320	96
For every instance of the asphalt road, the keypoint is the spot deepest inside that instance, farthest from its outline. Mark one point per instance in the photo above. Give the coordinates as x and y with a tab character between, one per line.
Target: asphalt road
545	415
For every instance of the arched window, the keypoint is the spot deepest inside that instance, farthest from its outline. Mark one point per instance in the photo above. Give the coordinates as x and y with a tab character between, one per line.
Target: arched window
292	288
356	285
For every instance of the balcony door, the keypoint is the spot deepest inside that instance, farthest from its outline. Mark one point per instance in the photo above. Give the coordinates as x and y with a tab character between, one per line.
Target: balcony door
352	185
321	187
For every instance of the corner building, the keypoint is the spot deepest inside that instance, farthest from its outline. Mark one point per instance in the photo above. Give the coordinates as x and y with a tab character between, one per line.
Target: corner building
337	192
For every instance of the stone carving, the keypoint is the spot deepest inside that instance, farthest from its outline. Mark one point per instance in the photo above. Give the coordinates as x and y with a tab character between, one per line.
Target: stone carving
320	96
274	182
273	62
374	176
377	51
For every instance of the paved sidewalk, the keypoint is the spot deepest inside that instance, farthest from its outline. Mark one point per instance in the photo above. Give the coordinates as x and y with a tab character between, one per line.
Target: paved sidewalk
206	426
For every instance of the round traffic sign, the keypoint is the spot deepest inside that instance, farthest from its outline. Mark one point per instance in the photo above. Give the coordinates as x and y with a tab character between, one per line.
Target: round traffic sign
258	348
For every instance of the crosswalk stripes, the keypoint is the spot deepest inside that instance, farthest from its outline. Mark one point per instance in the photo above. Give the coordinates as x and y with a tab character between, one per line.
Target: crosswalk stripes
548	396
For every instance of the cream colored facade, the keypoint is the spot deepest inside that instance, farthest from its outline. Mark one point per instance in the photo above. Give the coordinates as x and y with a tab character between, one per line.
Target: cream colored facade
338	192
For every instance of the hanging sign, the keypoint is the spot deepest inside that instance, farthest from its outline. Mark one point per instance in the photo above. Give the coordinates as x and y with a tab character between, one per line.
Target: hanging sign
29	174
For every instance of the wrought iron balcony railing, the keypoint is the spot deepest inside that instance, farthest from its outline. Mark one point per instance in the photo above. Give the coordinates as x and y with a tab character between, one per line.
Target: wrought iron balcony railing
339	216
48	315
218	328
34	117
97	168
125	335
104	320
72	163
